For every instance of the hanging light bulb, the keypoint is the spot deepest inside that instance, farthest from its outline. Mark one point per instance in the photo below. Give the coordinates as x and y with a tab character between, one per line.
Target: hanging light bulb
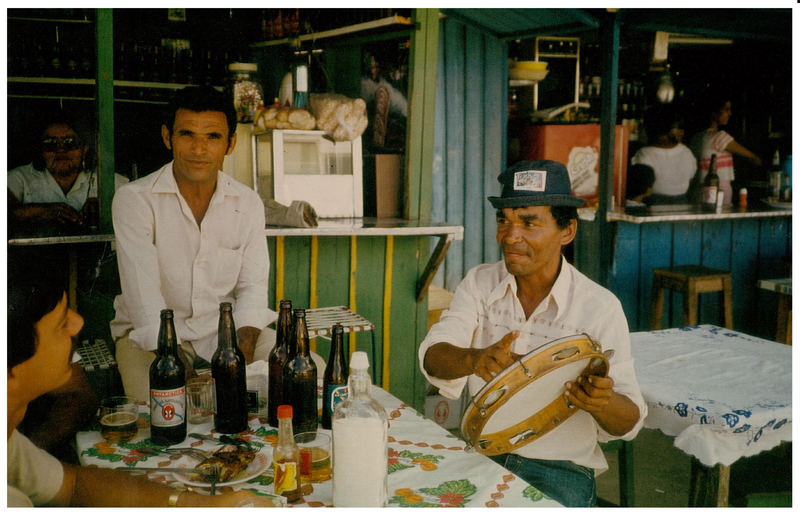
665	90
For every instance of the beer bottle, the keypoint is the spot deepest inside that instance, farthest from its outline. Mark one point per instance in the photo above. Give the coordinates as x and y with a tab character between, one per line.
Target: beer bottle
230	378
167	387
277	360
711	184
286	458
300	379
334	382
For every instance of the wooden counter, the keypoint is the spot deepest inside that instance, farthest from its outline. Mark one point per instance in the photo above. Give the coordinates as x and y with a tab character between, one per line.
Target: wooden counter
752	244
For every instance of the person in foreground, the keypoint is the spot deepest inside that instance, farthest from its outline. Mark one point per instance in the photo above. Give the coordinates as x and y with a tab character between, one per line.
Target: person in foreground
40	331
189	237
501	312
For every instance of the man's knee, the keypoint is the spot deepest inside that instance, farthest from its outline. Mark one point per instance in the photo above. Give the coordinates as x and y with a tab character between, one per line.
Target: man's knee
134	368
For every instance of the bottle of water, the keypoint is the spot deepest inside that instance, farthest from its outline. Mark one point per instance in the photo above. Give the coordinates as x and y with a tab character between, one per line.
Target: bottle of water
360	430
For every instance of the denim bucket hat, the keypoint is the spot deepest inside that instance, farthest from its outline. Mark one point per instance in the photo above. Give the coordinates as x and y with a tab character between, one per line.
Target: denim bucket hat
538	183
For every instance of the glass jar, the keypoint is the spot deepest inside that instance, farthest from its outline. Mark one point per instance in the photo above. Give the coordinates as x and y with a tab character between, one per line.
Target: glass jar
246	89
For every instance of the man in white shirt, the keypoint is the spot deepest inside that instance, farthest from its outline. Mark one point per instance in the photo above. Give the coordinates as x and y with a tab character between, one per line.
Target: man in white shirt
50	193
40	330
188	238
503	311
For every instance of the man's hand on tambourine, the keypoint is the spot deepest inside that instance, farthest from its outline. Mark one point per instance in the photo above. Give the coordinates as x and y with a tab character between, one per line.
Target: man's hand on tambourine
590	393
496	358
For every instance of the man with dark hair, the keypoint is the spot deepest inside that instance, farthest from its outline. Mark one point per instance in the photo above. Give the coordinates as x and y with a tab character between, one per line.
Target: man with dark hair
40	331
188	238
639	185
501	312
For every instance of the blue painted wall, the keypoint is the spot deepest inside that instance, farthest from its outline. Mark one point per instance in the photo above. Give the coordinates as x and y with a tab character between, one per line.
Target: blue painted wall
751	249
469	146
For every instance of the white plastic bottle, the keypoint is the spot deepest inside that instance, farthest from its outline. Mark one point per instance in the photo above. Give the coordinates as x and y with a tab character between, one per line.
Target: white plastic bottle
360	430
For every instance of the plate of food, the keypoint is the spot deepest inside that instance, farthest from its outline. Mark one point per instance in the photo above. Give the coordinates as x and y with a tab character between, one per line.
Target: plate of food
236	465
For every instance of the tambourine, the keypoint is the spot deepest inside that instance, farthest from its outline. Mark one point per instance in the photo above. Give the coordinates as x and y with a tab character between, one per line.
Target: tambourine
526	400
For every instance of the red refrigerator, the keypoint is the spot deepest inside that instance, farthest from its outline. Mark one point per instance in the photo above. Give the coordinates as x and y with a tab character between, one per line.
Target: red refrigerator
578	147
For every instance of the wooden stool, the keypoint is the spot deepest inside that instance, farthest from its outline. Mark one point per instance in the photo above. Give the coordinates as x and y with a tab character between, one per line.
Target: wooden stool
690	281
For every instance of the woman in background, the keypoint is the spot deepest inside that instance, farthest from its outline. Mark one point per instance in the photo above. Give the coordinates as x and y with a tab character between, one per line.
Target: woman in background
715	141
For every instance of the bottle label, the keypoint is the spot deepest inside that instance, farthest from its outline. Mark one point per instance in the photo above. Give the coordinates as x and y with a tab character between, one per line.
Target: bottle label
285	476
710	195
335	393
167	407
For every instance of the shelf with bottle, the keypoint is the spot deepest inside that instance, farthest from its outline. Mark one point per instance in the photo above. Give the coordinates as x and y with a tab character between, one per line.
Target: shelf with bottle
394	21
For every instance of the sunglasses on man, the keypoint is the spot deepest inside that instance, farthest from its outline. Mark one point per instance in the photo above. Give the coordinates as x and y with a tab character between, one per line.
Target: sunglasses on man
52	144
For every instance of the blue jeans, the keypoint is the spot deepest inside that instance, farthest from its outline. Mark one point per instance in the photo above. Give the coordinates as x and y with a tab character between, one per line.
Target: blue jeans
570	484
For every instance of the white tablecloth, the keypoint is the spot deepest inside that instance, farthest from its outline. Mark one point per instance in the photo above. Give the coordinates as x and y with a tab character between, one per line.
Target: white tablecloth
722	394
428	466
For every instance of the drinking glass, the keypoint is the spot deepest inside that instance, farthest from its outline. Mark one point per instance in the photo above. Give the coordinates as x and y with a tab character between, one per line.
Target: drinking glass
119	417
315	456
200	399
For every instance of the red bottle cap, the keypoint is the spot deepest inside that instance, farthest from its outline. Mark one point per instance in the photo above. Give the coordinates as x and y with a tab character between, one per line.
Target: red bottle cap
285	411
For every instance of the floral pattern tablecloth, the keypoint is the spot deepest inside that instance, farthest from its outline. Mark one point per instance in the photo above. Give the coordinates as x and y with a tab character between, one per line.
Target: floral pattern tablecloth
428	466
722	394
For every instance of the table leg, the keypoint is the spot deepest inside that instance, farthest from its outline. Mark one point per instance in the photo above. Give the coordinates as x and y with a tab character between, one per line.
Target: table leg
784	333
710	486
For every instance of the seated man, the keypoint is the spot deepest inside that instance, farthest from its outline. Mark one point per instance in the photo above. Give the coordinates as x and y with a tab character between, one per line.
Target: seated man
49	195
189	237
503	311
40	332
673	163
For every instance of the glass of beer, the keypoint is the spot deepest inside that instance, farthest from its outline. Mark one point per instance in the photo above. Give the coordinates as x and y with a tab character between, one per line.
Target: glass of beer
119	417
315	456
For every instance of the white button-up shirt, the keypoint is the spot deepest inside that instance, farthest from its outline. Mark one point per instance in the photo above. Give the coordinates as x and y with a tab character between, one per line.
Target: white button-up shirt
485	308
167	262
33	186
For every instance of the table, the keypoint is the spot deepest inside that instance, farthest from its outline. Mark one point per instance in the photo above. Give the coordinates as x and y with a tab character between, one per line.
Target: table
782	286
722	394
428	466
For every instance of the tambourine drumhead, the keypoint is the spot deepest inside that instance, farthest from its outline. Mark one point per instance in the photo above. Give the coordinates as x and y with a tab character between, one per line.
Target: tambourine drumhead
525	401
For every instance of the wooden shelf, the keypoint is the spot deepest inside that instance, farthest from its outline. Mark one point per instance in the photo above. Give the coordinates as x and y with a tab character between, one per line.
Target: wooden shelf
48	20
382	23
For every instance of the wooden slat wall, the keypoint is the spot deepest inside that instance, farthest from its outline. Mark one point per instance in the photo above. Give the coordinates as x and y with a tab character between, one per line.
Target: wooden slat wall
469	150
751	249
384	294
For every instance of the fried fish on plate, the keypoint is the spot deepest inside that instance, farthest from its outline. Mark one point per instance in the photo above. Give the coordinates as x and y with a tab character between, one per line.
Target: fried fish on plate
229	461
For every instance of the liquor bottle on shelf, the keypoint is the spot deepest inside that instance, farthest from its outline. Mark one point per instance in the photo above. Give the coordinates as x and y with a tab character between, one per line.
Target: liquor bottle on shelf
167	387
277	360
230	377
300	379
334	381
711	184
286	458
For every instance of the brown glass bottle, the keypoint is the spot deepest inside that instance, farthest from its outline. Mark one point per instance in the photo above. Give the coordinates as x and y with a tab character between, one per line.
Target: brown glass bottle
334	381
167	387
300	379
711	184
277	360
230	377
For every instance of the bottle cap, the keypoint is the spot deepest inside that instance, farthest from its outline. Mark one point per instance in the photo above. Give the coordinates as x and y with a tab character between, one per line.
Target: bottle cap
742	191
285	411
359	361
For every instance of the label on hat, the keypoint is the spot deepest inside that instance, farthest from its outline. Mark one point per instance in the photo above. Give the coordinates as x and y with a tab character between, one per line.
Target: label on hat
533	181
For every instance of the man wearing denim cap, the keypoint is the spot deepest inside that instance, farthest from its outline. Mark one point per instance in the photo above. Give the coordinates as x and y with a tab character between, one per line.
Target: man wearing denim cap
503	311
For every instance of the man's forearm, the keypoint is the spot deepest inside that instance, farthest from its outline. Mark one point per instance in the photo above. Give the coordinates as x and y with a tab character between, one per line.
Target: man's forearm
619	416
446	361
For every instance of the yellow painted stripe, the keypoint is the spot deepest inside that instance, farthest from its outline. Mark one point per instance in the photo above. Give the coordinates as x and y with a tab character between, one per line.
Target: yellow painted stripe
312	295
353	255
279	278
387	309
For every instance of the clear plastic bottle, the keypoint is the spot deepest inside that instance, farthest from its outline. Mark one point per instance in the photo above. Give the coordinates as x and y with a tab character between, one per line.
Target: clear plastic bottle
286	458
360	430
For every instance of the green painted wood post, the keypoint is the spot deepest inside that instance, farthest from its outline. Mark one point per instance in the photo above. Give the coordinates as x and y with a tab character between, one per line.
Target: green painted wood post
422	116
104	37
608	117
